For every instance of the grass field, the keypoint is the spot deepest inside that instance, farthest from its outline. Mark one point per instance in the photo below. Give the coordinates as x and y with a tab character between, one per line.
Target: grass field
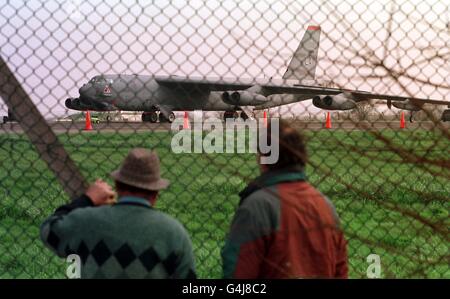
203	196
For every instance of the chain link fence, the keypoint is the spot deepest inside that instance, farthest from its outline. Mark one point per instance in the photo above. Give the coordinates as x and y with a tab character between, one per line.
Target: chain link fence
383	161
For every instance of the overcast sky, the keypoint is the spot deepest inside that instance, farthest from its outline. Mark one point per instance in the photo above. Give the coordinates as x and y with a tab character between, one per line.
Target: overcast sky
55	46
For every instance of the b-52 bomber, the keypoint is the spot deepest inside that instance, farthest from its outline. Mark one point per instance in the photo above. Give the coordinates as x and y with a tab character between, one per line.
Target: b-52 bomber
159	96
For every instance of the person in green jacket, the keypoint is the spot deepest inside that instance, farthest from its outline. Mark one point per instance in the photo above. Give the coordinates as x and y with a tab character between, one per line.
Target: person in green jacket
283	226
124	239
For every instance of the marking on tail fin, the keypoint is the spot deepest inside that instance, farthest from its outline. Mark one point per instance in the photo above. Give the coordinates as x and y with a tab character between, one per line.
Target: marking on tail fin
304	61
312	27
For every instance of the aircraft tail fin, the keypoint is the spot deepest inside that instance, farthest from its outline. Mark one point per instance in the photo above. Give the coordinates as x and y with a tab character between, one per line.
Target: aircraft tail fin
304	61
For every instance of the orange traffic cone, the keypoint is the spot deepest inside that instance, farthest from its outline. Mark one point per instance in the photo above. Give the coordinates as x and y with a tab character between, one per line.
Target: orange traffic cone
88	126
265	119
186	120
328	121
402	120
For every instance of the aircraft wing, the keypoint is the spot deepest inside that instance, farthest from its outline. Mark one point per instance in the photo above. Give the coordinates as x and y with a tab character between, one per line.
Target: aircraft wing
267	89
363	96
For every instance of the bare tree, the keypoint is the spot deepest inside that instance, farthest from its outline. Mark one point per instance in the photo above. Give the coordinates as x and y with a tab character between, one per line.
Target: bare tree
363	110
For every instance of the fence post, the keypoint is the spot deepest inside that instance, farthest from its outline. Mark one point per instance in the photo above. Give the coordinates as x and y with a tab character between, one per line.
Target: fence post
40	134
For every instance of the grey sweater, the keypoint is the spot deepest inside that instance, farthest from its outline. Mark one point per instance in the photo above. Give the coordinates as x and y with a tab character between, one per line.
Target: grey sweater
127	240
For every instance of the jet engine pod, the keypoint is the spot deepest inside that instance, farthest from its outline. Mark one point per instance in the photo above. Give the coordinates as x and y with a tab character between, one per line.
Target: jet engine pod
334	102
243	98
446	115
406	105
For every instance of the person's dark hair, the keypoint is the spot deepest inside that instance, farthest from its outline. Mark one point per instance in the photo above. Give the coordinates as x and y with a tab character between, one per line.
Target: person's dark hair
132	189
292	149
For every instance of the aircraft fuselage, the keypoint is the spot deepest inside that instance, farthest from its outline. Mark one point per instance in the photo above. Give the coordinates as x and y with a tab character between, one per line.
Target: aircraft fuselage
144	93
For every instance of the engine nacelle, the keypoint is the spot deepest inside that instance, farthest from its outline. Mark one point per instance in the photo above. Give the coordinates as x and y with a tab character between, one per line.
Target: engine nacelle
406	105
336	102
243	98
446	115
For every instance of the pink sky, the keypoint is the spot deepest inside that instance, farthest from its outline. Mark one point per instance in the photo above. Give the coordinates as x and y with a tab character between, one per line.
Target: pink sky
55	46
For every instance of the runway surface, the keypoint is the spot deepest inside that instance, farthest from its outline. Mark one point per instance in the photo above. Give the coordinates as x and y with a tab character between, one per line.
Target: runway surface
75	127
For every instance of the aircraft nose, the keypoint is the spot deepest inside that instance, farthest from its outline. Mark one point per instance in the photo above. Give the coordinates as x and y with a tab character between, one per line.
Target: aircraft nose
87	91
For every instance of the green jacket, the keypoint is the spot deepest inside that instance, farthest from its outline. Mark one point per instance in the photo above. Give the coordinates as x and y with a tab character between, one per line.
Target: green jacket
284	228
127	240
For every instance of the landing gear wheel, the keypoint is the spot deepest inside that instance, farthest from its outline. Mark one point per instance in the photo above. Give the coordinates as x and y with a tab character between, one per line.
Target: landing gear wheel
163	118
153	117
411	118
230	114
171	117
108	118
150	117
244	116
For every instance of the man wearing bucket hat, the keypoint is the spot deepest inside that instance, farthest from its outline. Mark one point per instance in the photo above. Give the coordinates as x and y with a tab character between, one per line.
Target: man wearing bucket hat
127	239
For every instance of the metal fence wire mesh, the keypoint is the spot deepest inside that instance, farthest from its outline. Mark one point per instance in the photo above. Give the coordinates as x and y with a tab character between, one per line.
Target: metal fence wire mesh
148	70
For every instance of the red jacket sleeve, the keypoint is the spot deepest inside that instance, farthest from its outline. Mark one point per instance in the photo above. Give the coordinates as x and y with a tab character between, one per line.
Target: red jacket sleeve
341	258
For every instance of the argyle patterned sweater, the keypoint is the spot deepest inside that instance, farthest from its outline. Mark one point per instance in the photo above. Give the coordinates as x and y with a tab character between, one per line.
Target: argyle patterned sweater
127	240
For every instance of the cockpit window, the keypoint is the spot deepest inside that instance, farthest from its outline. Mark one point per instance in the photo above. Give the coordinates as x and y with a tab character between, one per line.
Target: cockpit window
97	79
